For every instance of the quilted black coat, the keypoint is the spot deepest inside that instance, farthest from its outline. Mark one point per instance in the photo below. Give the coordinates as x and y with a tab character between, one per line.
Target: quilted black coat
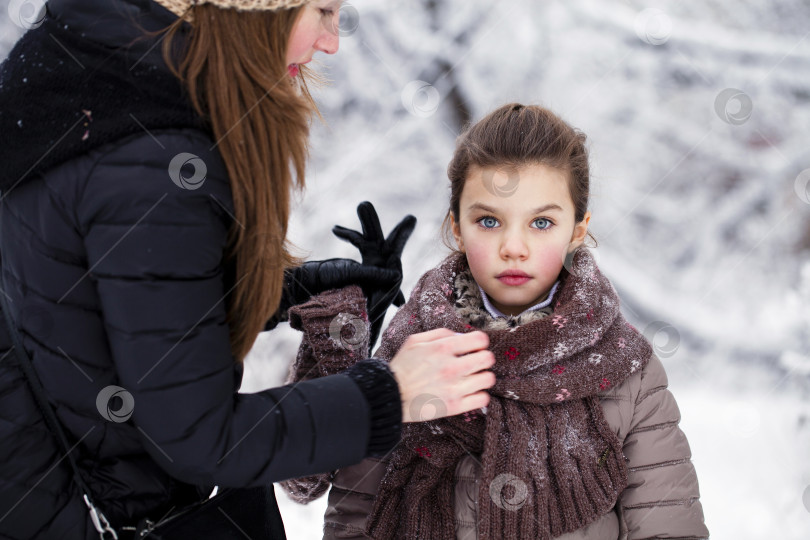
116	277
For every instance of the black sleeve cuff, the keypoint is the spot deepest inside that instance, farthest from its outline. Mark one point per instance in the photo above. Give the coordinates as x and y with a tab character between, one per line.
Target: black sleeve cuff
380	388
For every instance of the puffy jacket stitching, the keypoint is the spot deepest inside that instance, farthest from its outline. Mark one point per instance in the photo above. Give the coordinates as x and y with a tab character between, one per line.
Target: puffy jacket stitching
28	289
649	392
118	144
668	502
21	222
660	464
343	527
654	427
346	491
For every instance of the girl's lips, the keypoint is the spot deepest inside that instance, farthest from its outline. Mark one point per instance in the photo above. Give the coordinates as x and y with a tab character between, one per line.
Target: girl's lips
513	280
292	69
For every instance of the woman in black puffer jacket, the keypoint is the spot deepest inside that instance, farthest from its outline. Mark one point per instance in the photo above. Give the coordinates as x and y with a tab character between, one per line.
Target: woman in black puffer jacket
149	153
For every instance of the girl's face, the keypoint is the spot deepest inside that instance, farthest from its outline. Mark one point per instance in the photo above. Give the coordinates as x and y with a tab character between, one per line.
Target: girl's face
316	29
516	228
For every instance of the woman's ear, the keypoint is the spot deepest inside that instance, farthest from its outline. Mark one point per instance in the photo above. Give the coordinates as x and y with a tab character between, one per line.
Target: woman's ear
456	232
580	231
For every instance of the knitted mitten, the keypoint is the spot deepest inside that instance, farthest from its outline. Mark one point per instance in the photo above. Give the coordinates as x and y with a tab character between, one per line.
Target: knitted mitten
336	332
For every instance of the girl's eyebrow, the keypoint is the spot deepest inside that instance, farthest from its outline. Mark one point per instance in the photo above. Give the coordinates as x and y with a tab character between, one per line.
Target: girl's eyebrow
538	210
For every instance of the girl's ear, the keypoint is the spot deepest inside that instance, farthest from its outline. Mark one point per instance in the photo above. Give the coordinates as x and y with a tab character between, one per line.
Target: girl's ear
580	231
456	232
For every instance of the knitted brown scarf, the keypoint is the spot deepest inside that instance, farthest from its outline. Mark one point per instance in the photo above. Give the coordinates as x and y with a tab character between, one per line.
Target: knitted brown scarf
550	462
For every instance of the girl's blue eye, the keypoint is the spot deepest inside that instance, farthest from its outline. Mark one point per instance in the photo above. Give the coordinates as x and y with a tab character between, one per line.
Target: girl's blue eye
542	223
488	222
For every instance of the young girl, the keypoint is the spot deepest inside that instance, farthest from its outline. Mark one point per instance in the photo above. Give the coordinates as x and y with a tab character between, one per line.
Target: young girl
580	439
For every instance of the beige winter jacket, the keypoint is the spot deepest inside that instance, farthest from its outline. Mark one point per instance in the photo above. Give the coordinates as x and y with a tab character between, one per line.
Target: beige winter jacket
661	499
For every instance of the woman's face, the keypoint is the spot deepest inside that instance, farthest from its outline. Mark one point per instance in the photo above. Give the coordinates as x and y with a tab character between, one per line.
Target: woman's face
316	29
515	229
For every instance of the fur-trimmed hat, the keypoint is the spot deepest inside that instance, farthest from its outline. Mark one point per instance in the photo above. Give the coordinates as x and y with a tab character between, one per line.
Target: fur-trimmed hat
179	7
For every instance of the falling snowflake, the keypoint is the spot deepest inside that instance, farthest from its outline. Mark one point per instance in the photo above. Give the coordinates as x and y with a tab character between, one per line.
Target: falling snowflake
436	430
560	349
604	384
512	353
634	365
621	343
558	369
446	289
511	395
595	358
422	451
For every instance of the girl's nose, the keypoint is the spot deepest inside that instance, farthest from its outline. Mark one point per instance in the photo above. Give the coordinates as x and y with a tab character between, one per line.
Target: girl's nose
513	246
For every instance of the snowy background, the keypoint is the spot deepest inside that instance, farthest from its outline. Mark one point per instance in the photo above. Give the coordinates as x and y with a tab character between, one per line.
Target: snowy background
697	115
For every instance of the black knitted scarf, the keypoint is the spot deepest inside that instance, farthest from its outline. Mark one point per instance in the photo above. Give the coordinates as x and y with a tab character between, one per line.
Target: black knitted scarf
62	95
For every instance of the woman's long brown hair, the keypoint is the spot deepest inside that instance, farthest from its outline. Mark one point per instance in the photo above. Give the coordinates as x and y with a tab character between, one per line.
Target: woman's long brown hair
233	65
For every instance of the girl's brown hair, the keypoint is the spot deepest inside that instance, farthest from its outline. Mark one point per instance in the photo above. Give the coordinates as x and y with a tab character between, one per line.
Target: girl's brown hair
233	65
511	137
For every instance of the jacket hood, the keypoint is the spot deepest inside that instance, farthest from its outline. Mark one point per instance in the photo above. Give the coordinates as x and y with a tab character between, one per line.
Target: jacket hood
87	76
115	23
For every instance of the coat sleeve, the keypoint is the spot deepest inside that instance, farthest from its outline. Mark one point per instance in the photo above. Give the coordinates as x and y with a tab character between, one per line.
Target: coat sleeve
662	499
155	252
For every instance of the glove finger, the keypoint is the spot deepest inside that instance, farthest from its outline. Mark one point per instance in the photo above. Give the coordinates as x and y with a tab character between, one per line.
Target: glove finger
370	221
400	299
374	333
349	235
399	236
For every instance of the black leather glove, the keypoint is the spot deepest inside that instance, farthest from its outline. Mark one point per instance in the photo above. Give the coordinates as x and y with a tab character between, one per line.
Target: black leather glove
380	252
314	277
